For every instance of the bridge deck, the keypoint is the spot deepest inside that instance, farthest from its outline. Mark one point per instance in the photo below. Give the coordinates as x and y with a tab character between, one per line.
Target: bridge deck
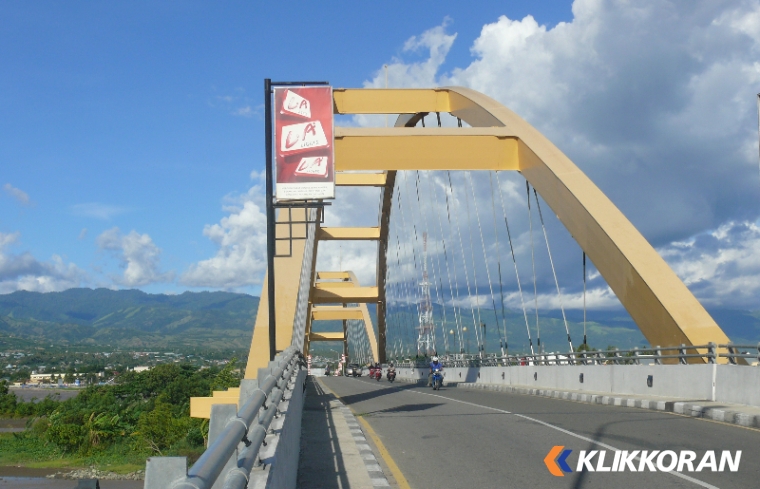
471	438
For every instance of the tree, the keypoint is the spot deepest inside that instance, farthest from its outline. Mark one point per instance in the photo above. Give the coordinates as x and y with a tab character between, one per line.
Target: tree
158	429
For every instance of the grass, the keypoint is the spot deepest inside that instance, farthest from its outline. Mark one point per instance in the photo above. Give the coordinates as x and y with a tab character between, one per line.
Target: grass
25	450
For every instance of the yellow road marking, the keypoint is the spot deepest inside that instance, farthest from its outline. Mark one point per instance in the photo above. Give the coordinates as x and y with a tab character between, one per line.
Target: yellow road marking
400	479
397	474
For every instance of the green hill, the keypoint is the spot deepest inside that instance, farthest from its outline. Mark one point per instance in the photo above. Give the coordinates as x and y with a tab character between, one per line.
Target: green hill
130	318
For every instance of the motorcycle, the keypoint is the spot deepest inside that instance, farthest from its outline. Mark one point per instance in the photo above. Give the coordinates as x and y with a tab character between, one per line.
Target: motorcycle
437	379
391	375
375	373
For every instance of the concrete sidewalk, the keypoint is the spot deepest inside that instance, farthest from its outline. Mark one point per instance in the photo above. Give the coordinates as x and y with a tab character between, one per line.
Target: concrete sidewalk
334	451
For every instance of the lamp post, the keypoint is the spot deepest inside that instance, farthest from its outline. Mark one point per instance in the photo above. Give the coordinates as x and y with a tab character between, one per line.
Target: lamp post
464	330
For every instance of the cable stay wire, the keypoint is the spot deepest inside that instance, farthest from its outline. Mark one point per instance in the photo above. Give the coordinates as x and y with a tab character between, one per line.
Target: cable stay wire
457	317
460	331
439	297
514	261
478	336
434	199
464	259
505	346
554	273
410	289
402	295
417	270
533	262
485	262
403	298
415	295
584	300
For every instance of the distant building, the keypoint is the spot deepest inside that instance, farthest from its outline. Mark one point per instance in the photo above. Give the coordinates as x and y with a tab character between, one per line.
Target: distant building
35	377
139	369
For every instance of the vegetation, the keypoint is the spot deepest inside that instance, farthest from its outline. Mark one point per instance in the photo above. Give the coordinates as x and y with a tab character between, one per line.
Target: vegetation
142	414
127	318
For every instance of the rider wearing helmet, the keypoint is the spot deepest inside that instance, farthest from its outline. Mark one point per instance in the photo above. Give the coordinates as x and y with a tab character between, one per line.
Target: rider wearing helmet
434	364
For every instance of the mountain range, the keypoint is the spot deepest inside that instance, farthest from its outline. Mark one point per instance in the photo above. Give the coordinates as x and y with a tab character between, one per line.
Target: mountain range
224	320
130	318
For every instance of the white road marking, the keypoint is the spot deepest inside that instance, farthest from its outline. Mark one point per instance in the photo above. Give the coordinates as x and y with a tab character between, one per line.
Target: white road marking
549	425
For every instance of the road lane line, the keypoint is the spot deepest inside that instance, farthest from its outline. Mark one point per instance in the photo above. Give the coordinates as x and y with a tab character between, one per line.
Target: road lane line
549	425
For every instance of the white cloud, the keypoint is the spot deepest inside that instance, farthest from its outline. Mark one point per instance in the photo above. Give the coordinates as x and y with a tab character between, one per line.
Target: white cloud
97	210
237	103
655	101
24	272
242	240
721	266
82	234
18	194
139	257
246	111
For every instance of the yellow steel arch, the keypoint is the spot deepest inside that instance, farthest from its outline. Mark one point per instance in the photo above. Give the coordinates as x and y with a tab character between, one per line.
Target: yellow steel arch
661	305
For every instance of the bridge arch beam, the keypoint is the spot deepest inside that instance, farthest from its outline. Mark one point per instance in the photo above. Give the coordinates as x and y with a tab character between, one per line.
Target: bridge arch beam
666	312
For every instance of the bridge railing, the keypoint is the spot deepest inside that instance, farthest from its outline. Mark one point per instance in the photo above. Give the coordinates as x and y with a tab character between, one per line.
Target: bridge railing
249	427
635	356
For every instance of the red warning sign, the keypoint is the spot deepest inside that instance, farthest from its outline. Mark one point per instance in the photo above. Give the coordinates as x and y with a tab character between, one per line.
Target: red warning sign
304	144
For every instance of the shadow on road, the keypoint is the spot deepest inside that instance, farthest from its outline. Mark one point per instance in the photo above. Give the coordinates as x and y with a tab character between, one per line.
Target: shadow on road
406	408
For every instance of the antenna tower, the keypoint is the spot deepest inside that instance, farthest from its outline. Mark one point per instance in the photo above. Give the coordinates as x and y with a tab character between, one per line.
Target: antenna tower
426	338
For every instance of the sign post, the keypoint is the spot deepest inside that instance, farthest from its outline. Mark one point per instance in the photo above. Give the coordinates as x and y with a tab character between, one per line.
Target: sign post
301	163
304	137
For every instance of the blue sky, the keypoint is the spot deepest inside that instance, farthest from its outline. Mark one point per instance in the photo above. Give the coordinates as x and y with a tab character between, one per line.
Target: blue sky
144	115
130	131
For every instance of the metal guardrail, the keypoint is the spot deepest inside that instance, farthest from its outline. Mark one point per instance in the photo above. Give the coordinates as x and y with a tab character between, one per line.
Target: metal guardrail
709	352
250	427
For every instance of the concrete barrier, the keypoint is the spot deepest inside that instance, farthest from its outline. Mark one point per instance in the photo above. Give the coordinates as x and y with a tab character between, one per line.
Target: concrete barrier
731	384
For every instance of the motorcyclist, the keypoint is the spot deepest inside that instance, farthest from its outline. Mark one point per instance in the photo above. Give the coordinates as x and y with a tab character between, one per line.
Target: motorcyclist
434	365
391	371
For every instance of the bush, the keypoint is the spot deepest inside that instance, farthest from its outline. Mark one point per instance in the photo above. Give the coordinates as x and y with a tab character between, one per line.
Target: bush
158	429
68	436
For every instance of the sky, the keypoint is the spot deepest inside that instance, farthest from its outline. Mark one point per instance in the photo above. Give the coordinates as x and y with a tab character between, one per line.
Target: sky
131	135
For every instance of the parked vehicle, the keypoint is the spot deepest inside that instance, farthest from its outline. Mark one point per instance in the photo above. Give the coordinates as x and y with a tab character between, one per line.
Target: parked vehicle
437	378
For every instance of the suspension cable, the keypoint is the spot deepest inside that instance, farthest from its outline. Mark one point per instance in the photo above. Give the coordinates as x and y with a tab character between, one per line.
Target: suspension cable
434	198
402	283
533	262
485	260
439	297
551	261
457	318
464	259
417	270
584	300
474	270
514	262
498	265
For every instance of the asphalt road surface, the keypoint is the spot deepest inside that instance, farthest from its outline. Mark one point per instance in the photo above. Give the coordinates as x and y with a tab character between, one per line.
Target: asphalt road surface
470	438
